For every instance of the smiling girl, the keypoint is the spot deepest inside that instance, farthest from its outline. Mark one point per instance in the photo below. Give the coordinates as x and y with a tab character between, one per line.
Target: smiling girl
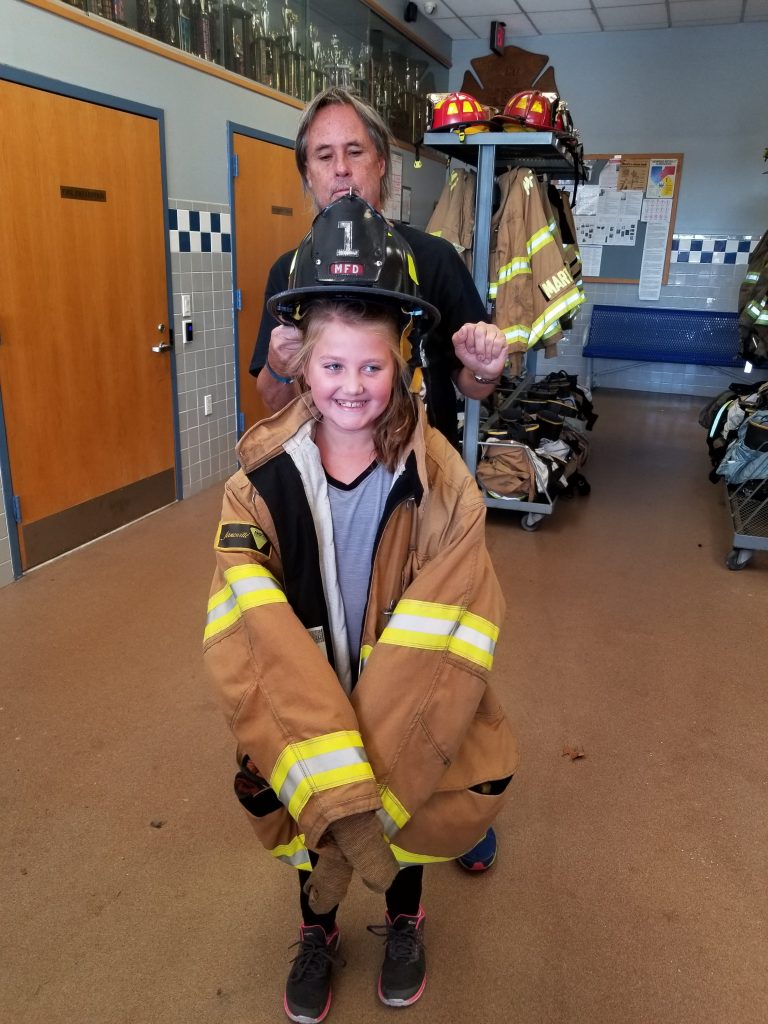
354	614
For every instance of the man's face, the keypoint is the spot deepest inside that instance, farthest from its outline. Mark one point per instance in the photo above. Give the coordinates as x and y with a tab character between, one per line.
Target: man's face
340	156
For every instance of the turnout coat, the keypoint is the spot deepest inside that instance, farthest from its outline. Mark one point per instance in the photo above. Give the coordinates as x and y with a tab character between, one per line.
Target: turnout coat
415	732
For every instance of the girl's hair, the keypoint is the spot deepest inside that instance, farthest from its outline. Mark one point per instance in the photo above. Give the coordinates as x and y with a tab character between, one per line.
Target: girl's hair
394	427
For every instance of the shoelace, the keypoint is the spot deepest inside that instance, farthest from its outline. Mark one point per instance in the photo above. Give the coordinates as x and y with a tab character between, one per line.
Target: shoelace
312	958
403	944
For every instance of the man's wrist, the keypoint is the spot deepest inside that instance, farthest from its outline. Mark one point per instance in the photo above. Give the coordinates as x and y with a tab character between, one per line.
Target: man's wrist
485	380
276	376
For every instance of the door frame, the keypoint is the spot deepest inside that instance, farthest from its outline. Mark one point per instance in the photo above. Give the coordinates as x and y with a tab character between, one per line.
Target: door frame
252	133
76	92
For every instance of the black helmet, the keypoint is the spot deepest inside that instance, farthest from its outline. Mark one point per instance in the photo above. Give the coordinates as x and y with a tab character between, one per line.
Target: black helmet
351	252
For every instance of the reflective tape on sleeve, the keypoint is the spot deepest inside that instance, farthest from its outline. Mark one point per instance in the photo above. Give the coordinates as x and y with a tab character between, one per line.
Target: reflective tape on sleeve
247	586
437	627
317	765
392	815
294	853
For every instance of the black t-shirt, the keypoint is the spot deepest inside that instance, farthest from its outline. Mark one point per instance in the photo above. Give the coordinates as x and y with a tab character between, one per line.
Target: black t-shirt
445	282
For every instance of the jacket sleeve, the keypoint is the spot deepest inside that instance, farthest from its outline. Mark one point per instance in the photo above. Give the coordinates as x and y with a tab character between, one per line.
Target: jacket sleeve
425	678
281	697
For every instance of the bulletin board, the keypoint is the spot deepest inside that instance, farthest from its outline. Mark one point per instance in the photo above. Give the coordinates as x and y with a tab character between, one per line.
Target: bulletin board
625	218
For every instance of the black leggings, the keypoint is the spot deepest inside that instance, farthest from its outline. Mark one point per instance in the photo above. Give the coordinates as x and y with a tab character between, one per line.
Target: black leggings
402	897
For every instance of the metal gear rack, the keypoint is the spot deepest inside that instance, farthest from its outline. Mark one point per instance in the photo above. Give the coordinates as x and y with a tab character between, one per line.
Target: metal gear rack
490	153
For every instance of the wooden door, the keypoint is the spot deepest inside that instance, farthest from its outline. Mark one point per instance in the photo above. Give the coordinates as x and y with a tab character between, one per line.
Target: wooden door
88	404
272	215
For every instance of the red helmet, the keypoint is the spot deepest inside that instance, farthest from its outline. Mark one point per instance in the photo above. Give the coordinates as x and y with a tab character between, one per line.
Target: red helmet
529	110
459	112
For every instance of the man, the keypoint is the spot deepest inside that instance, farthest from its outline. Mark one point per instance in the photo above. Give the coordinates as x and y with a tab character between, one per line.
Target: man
343	144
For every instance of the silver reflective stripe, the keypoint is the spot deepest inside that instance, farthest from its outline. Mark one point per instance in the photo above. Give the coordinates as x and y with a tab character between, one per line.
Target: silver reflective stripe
476	639
309	767
223	608
422	624
249	586
388	823
296	860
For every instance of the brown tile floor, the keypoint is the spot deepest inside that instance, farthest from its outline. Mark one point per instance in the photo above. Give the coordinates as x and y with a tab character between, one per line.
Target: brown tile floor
630	886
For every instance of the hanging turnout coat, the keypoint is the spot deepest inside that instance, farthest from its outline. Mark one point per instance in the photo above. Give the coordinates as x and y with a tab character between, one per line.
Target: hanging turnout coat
421	727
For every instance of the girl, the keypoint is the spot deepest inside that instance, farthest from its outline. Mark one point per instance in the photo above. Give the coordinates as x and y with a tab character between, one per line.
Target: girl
353	616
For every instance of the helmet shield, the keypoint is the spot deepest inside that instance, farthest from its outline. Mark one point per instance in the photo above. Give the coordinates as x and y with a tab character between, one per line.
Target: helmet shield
351	253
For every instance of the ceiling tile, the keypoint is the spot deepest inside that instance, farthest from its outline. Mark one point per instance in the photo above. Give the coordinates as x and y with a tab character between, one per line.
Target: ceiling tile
517	25
645	16
538	6
705	12
756	10
558	22
456	29
495	10
600	4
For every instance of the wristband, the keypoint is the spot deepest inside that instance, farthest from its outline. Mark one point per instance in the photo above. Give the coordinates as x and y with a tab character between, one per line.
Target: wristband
486	380
277	377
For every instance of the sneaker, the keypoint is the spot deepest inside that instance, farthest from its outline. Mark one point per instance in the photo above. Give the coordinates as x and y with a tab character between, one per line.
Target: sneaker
308	989
404	971
481	856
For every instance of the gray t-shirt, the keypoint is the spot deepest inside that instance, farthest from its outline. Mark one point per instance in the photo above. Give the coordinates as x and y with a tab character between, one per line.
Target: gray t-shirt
356	511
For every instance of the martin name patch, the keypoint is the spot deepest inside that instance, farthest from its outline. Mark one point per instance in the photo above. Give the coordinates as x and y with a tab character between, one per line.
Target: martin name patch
242	537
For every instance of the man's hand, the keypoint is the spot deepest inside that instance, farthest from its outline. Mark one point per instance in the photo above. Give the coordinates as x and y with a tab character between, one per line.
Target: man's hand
482	348
284	343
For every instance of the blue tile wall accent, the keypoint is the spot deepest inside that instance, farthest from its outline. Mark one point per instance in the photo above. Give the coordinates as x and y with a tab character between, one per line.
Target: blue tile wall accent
199	231
700	249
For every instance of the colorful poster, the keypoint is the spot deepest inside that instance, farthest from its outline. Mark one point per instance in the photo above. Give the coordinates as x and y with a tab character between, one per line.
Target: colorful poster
662	175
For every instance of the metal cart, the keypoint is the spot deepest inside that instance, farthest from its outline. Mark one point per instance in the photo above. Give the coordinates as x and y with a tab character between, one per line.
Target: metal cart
543	153
748	505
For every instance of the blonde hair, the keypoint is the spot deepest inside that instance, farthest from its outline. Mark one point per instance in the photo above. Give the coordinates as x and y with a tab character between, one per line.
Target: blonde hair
393	429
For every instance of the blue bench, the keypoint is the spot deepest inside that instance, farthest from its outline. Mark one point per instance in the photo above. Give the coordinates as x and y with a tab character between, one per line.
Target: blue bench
663	336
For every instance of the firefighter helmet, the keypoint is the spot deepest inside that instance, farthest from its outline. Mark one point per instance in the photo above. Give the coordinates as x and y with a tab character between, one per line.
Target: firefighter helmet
529	110
351	254
459	112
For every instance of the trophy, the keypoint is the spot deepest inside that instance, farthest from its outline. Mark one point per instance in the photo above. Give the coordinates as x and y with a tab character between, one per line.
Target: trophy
315	76
338	70
183	10
101	7
146	17
363	73
292	60
262	56
203	29
166	27
236	25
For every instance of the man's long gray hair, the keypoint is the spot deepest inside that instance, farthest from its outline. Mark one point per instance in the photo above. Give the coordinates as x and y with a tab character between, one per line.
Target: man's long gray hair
379	134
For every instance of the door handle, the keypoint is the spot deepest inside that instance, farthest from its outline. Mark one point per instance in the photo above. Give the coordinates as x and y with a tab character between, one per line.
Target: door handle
164	345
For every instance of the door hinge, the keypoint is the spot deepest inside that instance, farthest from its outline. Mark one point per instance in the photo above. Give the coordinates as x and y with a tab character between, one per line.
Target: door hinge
235	165
17	508
238	299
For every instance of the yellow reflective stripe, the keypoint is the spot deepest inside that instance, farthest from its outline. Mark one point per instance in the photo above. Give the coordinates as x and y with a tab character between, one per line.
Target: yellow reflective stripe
538	240
437	234
322	781
318	764
424	625
516	333
751	277
393	815
294	853
406	858
493	288
521	265
365	653
553	312
247	586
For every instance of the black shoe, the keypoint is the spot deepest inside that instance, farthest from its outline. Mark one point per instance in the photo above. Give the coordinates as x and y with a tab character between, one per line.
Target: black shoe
308	989
404	971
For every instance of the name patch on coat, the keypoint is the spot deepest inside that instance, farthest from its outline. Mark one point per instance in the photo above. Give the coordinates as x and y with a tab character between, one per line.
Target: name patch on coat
242	537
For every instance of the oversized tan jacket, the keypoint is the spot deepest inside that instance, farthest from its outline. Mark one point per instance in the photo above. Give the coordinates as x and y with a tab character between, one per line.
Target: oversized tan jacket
454	216
421	725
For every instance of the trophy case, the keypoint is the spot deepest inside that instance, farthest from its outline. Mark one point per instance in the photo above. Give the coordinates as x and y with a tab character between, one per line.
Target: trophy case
297	48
